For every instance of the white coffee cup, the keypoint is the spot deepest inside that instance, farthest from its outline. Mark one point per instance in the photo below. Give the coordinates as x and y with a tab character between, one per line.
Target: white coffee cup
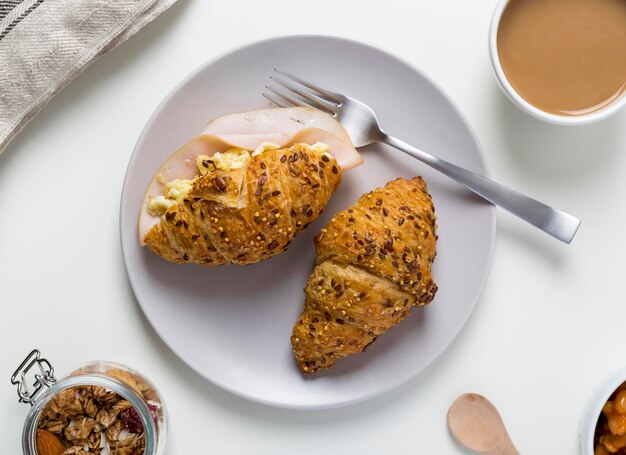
585	119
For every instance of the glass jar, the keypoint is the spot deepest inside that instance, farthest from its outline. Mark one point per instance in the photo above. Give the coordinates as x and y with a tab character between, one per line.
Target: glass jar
115	386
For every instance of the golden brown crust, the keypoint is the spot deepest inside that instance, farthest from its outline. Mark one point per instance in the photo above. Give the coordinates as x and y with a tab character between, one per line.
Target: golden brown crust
242	216
373	263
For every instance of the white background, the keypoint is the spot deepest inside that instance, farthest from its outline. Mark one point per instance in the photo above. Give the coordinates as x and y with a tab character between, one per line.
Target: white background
549	327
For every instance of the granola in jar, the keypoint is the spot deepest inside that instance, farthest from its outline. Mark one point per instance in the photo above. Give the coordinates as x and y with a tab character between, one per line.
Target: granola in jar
102	408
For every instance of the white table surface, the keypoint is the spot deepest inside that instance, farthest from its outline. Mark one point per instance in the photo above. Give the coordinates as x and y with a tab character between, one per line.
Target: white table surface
548	327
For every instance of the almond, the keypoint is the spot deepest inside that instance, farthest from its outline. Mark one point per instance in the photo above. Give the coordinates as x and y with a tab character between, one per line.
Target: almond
48	444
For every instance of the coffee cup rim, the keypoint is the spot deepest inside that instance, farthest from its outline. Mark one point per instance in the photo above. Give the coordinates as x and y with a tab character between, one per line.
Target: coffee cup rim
517	99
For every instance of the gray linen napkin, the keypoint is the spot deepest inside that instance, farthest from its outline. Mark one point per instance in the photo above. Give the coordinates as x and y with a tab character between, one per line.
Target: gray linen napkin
44	44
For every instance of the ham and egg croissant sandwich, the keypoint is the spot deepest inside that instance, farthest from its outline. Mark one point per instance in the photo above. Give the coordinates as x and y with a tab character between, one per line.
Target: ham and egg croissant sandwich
373	264
240	192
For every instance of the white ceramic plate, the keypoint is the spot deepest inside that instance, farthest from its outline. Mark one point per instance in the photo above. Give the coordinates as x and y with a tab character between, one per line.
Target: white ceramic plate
232	324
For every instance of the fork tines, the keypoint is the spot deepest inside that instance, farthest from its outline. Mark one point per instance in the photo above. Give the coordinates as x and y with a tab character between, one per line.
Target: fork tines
288	89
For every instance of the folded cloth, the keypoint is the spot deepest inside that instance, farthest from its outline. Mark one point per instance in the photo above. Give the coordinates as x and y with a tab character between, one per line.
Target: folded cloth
44	44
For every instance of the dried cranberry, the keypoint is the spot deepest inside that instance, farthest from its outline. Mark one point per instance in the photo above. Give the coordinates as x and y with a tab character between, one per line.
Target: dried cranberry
132	420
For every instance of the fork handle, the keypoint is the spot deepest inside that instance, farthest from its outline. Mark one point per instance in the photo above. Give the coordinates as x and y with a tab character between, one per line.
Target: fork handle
552	221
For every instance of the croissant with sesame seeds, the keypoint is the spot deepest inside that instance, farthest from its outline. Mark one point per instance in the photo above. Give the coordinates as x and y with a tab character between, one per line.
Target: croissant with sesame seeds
373	264
243	207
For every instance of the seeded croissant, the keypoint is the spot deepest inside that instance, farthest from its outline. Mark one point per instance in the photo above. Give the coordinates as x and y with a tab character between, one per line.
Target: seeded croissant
244	213
240	192
373	264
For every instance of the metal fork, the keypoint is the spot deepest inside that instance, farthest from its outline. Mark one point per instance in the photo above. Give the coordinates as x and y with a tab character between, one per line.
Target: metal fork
361	123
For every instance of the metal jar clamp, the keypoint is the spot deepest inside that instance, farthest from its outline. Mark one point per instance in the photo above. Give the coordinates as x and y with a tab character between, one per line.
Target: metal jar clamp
43	380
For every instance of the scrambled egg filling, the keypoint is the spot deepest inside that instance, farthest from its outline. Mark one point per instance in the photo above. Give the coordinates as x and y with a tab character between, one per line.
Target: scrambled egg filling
158	205
174	192
235	158
319	147
177	189
263	147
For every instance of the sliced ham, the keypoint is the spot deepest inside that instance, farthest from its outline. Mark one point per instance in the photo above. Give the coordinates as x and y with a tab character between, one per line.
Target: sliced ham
276	125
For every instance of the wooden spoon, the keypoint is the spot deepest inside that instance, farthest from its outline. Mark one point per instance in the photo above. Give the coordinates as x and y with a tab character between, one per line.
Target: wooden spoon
476	424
